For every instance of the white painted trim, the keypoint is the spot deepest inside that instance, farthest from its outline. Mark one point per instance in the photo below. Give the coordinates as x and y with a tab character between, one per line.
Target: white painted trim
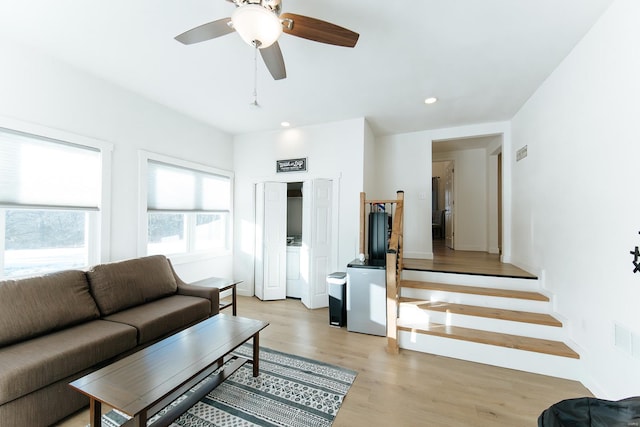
473	248
418	255
99	251
59	134
143	159
487	129
302	177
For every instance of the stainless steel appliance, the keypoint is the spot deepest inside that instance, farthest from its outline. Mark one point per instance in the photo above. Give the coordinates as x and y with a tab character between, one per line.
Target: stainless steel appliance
367	297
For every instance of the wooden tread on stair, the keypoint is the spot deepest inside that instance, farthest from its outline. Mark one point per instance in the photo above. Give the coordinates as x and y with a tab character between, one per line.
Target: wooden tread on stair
490	313
555	348
476	290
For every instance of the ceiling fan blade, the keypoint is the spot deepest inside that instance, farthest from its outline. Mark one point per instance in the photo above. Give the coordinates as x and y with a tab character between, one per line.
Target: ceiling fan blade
207	31
317	30
272	57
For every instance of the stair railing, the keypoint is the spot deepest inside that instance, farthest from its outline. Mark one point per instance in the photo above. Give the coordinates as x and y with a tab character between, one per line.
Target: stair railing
394	256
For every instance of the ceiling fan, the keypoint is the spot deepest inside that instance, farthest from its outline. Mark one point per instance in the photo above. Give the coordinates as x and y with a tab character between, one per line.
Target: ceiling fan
260	24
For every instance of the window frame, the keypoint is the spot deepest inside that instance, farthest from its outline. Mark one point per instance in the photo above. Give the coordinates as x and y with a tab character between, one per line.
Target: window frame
98	222
191	255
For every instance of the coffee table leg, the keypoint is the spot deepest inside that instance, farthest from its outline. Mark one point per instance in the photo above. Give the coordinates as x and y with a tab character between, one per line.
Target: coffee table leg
140	420
234	301
95	413
256	354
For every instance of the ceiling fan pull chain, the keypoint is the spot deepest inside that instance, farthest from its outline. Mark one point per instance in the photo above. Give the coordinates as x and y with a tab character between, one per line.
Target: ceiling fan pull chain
255	76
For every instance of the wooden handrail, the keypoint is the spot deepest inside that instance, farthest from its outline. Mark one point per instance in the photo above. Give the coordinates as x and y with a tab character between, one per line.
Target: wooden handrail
363	219
383	202
394	268
394	258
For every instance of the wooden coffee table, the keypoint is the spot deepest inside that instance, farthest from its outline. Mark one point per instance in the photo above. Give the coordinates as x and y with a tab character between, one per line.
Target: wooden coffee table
145	382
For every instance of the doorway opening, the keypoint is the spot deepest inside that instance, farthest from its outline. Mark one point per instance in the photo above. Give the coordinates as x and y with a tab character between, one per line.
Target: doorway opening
442	203
295	240
468	195
294	286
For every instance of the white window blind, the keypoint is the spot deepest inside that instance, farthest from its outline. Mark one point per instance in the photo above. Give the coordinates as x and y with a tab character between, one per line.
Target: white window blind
173	188
38	172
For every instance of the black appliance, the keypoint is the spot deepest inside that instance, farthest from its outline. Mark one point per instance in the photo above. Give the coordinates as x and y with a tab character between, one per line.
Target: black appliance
378	237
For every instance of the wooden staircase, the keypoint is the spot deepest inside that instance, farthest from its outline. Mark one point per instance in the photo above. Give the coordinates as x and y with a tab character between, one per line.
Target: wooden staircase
501	321
474	290
488	312
505	322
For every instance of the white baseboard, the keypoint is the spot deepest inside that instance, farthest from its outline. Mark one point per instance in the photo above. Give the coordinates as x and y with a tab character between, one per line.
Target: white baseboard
474	248
418	255
244	292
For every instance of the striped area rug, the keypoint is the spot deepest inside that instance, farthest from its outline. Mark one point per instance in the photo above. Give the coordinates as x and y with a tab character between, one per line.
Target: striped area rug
291	391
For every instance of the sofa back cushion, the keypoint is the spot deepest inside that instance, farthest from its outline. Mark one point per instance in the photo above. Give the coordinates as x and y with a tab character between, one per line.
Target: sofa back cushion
120	285
38	305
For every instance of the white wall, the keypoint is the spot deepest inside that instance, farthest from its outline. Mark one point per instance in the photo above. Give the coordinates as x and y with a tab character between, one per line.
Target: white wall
369	160
576	207
470	196
334	151
40	90
404	162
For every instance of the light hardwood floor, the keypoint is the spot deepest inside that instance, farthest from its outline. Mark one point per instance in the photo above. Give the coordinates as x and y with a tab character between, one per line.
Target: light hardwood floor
473	262
409	389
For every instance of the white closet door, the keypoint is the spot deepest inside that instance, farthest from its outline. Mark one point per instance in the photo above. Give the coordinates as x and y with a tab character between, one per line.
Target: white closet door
320	242
273	279
258	267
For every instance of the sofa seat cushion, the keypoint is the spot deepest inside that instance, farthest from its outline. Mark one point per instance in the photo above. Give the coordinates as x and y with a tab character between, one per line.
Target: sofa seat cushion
37	305
30	365
120	285
162	317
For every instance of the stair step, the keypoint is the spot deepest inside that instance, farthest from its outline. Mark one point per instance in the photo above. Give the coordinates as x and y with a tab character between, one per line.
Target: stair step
488	312
517	342
476	290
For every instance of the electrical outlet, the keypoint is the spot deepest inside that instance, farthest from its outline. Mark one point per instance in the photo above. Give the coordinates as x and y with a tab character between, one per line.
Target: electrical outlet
422	195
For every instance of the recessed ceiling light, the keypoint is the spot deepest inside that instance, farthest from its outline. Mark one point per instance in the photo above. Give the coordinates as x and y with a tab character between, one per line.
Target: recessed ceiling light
285	124
431	100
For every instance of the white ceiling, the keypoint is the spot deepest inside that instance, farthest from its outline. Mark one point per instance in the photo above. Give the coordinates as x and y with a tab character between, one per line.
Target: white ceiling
481	58
474	143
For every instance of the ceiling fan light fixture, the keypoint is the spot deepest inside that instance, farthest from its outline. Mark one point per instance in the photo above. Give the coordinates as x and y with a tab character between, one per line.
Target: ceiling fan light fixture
256	25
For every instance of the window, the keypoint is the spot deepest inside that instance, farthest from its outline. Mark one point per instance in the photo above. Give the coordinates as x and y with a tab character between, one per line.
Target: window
188	208
50	197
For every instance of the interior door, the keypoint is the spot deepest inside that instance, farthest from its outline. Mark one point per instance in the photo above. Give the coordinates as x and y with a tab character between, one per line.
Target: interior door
449	203
500	203
271	270
258	266
320	192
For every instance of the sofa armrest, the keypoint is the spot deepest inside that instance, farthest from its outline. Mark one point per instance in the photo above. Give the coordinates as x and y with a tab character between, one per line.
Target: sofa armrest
212	294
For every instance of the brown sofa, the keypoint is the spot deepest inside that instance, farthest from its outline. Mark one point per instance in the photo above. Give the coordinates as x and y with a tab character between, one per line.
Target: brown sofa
58	327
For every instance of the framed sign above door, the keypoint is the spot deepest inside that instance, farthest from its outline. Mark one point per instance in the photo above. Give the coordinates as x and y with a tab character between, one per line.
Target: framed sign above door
291	165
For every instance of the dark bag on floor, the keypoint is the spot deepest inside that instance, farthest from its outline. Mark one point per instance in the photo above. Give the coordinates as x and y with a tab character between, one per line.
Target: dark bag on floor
592	412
